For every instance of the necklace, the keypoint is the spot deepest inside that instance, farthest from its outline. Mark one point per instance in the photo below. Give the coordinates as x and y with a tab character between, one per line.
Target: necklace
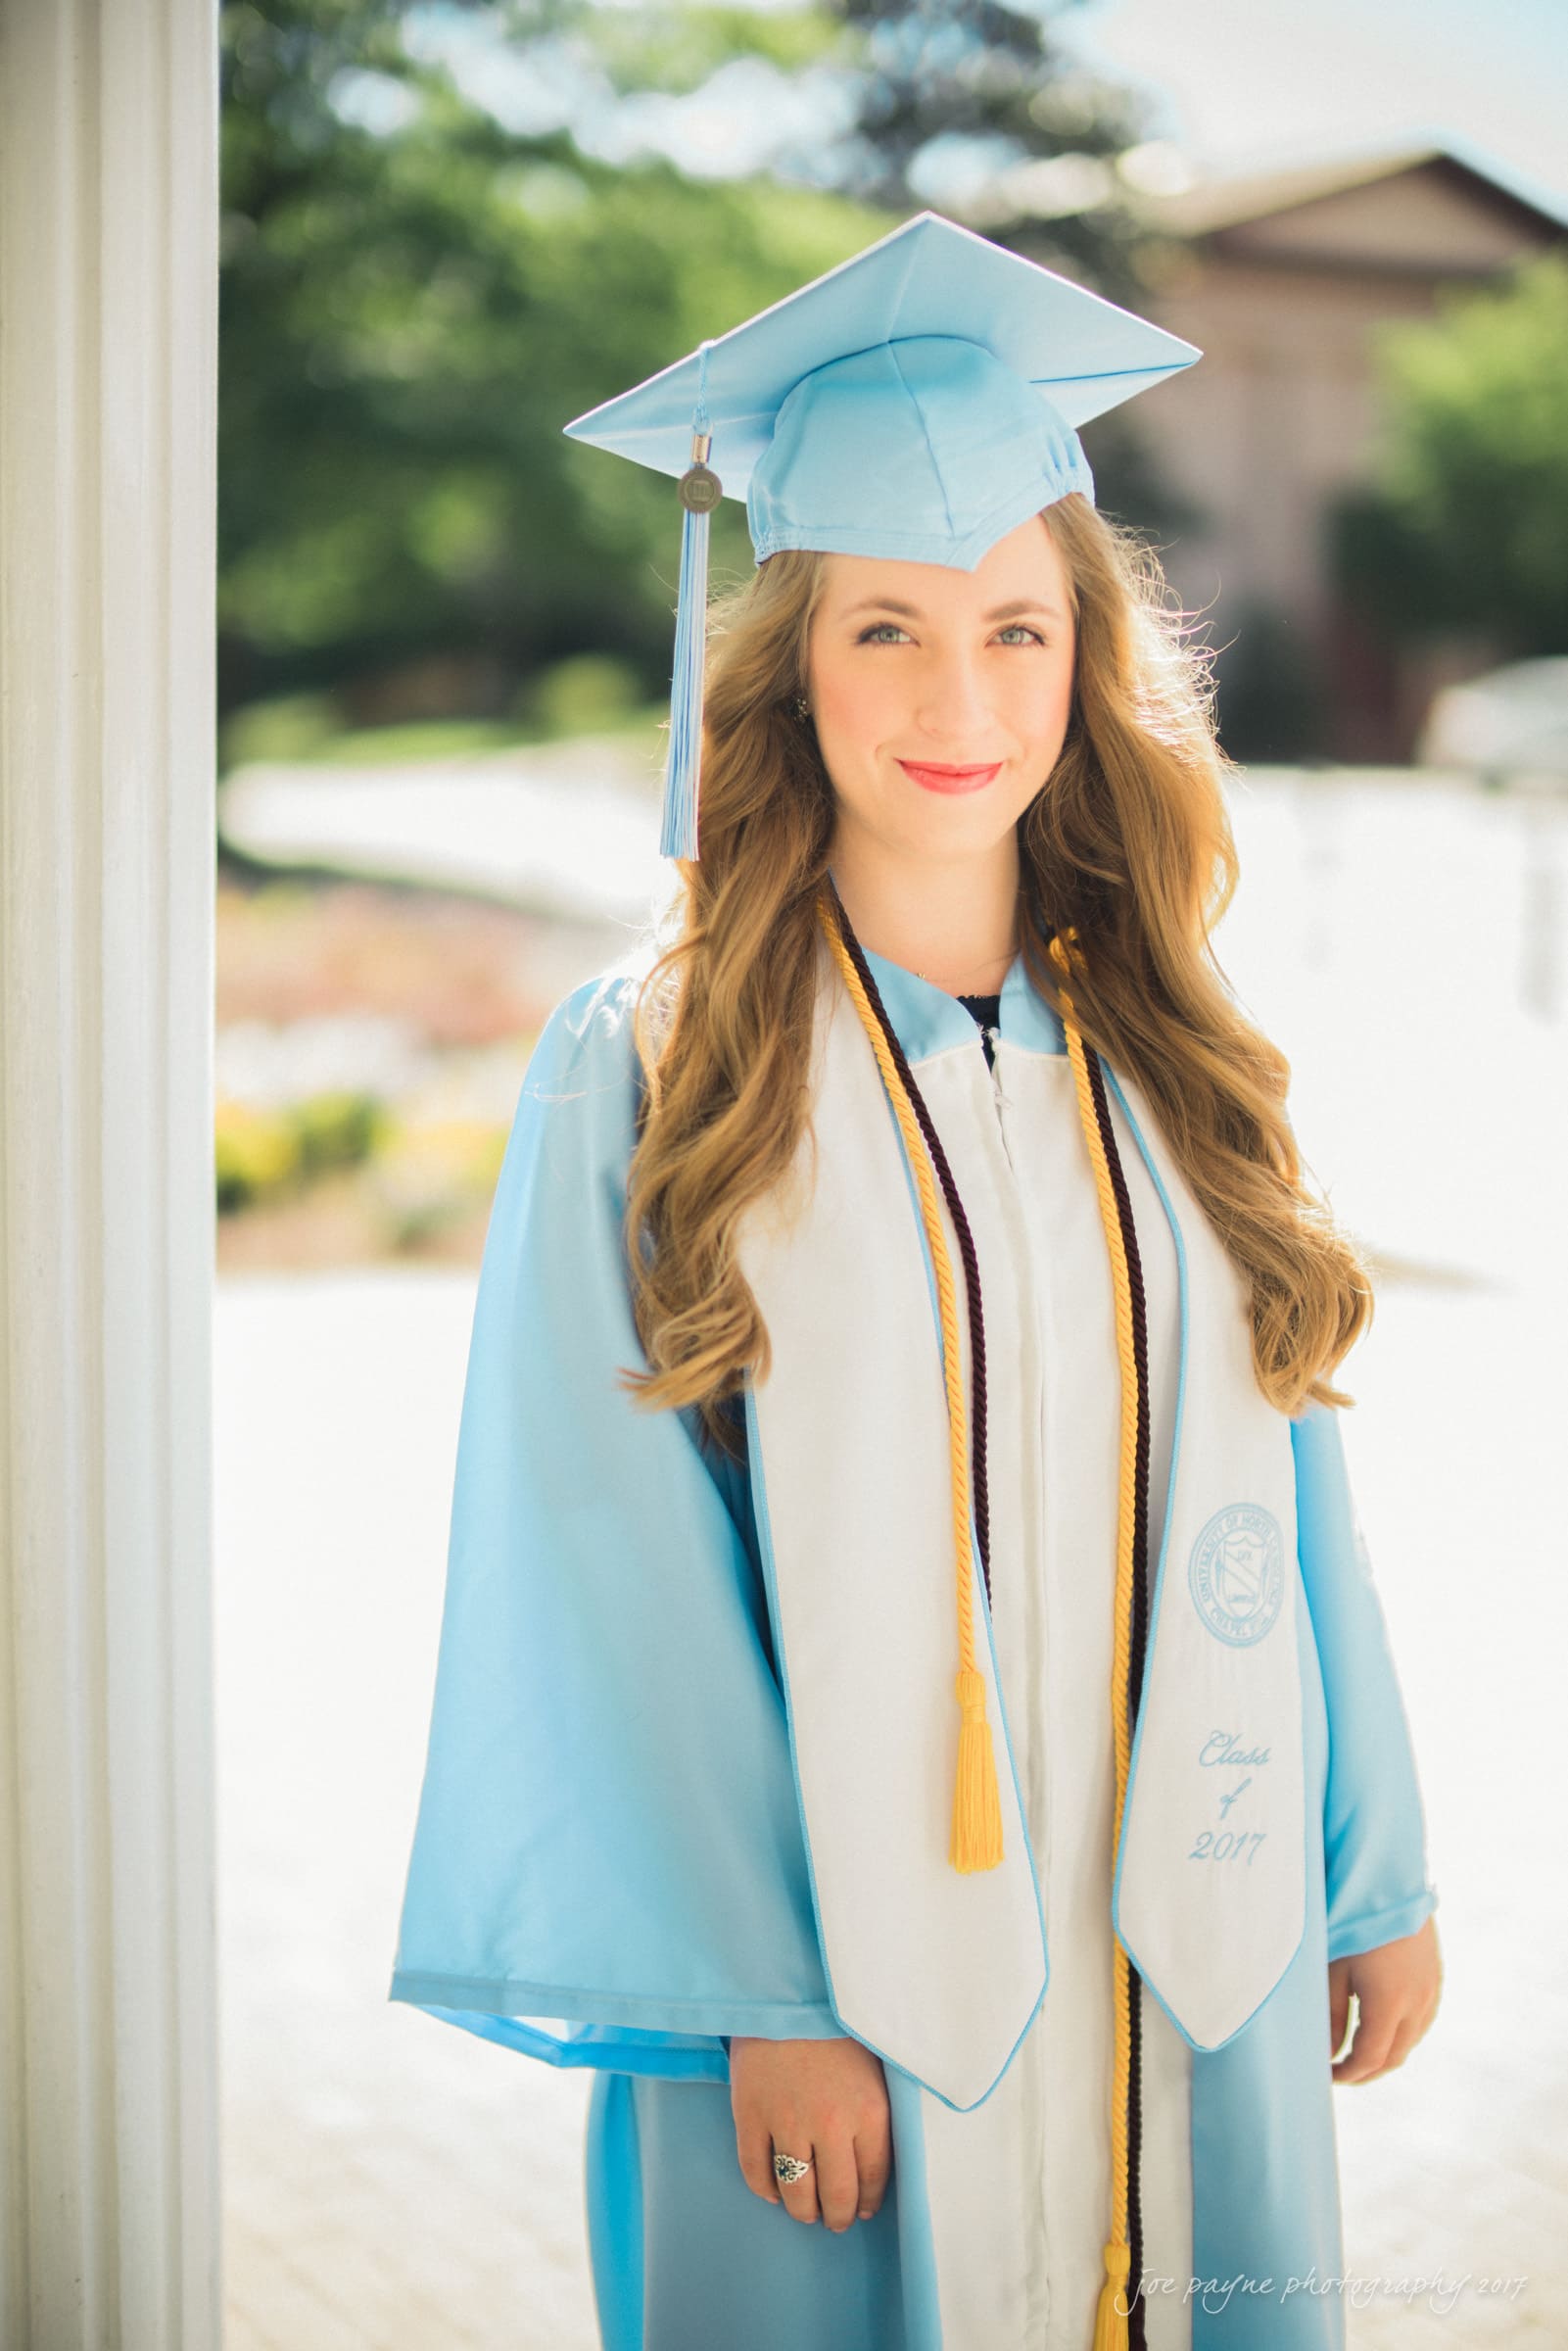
976	966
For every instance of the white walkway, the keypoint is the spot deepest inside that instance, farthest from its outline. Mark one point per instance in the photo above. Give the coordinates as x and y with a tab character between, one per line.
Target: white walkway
395	2183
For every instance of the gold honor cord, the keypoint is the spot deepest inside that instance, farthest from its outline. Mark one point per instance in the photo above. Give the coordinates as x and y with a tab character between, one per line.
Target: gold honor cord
976	1842
976	1838
1110	2322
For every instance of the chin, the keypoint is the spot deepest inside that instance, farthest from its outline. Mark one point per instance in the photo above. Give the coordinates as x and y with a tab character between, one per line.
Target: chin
958	829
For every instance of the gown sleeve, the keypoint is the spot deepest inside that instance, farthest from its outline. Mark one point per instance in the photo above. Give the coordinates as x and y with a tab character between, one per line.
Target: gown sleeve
1374	1830
607	1865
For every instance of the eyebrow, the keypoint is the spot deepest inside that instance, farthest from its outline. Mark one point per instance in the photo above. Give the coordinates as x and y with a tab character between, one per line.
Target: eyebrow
891	604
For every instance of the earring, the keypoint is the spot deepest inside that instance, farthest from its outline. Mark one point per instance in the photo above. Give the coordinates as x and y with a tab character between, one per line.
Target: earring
800	706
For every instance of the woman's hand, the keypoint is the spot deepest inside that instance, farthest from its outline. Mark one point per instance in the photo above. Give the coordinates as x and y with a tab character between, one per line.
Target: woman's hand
823	2098
1396	1987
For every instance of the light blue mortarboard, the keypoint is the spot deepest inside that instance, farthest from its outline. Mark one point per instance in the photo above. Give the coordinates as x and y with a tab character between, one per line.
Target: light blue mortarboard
918	402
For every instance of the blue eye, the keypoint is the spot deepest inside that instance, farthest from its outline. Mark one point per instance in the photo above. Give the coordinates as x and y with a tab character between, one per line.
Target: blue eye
883	630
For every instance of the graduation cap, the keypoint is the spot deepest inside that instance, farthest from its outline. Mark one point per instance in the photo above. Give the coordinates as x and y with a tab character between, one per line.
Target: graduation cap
918	402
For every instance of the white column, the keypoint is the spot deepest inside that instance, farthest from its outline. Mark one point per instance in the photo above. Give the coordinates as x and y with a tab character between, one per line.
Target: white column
109	2181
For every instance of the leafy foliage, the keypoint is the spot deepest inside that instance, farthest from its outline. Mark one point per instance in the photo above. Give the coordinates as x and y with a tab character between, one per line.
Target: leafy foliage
1465	526
416	294
408	317
950	73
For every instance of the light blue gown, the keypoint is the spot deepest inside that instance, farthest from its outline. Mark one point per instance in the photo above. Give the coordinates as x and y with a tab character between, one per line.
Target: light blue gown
608	1865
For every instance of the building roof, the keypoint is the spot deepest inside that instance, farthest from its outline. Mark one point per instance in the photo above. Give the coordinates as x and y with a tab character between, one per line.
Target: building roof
1237	198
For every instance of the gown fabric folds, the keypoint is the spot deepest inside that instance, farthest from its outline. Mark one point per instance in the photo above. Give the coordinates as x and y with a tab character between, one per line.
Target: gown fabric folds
610	1867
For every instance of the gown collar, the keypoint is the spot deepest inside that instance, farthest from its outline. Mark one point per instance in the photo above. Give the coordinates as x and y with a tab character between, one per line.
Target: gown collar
929	1020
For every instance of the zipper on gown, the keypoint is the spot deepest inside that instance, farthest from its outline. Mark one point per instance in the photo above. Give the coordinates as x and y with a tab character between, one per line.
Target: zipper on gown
1032	2057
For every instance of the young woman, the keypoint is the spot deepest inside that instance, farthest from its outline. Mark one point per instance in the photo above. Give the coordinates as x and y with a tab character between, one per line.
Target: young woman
913	1710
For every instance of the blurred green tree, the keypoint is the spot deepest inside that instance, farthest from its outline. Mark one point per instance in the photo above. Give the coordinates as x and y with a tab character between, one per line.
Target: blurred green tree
431	259
960	87
983	110
1464	527
977	106
414	299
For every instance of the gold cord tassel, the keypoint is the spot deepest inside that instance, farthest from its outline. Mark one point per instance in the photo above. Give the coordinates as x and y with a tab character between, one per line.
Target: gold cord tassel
976	1842
977	1839
976	1804
1111	2313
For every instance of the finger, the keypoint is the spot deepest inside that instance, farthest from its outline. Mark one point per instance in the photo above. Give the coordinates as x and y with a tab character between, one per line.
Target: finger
754	2149
1369	2051
1402	2043
1338	2012
873	2161
798	2196
838	2180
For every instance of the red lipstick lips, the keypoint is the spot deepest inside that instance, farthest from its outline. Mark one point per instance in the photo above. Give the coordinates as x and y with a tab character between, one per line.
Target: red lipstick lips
950	779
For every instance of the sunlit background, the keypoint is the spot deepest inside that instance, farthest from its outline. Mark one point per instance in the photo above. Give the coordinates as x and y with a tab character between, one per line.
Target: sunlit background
442	663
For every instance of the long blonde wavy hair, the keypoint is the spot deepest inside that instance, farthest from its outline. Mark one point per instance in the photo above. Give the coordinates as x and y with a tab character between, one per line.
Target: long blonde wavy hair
1128	841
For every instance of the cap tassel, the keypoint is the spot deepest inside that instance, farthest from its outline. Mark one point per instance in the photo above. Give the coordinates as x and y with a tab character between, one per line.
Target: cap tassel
700	491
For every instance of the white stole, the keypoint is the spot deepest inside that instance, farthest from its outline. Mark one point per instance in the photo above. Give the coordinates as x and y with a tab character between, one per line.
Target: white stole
941	1972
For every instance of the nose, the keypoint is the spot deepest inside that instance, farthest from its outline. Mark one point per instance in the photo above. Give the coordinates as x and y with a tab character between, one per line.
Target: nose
953	709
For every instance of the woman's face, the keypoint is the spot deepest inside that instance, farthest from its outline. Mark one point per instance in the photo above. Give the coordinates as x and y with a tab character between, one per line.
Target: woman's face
918	672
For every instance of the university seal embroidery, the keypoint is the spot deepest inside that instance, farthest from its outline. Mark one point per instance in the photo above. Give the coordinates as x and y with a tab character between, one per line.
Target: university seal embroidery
1237	1573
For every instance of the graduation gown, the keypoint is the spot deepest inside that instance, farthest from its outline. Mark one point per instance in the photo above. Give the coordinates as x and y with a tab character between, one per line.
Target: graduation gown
683	1748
